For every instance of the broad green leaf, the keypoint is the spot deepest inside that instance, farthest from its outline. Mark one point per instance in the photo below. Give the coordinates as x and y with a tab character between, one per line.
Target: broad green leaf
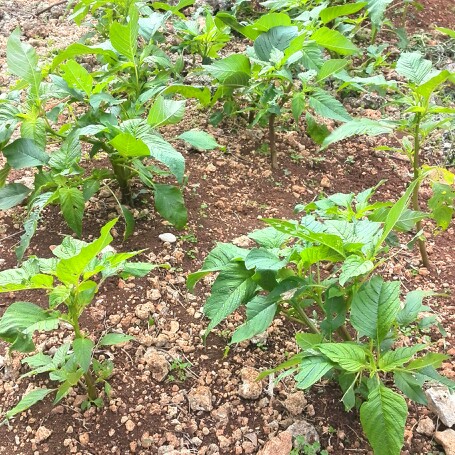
77	77
298	105
327	106
260	316
220	256
69	270
58	295
414	67
308	340
358	127
413	306
33	127
275	38
203	95
349	356
430	374
427	88
331	67
332	12
78	49
447	31
170	205
67	156
28	401
269	238
83	348
232	71
200	140
165	112
432	359
410	386
13	194
376	10
375	307
441	204
139	269
263	259
124	37
310	370
129	222
334	41
129	147
265	23
232	288
22	61
111	339
393	359
23	153
317	131
17	321
383	418
354	266
72	203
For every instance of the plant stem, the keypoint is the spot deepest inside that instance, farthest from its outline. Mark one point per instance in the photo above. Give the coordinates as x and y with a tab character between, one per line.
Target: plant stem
415	193
92	391
307	320
272	144
122	174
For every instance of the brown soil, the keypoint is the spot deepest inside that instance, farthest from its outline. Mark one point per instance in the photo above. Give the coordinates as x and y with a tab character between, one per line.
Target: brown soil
226	196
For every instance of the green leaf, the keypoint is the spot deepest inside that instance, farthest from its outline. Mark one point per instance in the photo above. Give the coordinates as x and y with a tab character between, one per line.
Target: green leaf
414	67
349	356
308	340
441	204
376	10
200	140
427	88
269	238
69	270
220	256
393	359
383	418
375	307
165	112
111	339
275	38
298	105
310	370
124	37
23	153
72	203
432	359
20	320
28	401
263	259
410	386
233	71
232	288
203	95
334	41
58	295
77	77
78	49
22	61
358	127
83	348
129	222
331	67
413	306
317	131
13	194
447	31
354	266
332	12
129	147
139	269
170	205
261	314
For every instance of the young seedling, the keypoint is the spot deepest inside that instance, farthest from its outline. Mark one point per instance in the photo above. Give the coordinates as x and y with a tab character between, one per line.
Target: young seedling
71	280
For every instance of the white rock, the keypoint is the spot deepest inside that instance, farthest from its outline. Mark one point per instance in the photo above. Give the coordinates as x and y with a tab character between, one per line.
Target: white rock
158	365
447	439
304	429
200	399
250	388
425	426
168	237
442	403
42	433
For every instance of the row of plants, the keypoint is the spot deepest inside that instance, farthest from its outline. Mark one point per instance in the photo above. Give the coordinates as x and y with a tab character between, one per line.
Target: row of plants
92	116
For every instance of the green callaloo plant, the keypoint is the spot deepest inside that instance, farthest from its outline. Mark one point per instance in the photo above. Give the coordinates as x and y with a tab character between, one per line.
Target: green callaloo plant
114	112
71	280
422	117
322	273
285	66
205	36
